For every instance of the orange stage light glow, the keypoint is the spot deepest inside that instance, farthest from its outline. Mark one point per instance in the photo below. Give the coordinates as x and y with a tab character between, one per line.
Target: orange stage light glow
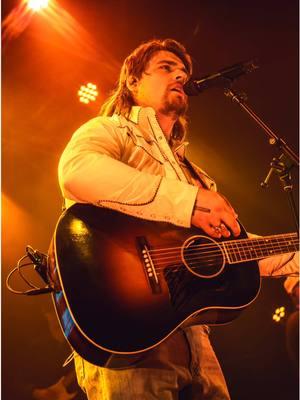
16	22
37	5
77	39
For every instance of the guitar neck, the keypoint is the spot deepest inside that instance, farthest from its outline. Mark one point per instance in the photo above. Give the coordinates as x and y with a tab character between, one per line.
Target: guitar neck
254	249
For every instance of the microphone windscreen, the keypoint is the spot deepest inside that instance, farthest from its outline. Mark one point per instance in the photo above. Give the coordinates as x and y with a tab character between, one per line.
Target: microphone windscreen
190	88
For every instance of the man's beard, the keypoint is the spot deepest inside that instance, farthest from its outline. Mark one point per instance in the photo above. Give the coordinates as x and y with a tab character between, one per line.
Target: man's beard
176	106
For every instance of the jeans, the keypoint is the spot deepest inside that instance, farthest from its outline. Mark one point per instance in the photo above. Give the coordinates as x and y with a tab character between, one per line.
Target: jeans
183	367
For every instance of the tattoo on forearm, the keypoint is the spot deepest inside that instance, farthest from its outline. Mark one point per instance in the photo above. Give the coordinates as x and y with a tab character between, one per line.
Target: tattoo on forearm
203	209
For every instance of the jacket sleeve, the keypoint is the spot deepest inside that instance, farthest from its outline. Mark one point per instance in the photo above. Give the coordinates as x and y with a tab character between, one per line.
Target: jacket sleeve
282	265
91	171
279	265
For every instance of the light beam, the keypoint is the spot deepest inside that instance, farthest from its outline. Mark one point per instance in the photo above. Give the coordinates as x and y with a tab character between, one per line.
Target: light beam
37	5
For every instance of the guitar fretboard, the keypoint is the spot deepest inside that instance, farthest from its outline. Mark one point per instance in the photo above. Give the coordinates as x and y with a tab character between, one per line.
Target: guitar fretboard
253	249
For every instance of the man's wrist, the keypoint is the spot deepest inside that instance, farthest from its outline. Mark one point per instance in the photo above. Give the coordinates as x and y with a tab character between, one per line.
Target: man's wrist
199	208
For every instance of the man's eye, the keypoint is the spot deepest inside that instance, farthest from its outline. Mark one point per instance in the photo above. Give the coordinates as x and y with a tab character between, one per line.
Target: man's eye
166	67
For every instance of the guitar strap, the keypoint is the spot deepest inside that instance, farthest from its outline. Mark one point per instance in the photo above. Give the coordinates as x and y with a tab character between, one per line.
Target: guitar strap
52	269
196	175
192	175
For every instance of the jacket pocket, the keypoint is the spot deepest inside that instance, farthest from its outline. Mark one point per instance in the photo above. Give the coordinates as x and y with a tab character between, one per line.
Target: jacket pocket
149	147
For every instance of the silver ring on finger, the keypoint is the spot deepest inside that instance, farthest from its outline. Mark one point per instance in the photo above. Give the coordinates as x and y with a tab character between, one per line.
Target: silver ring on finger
219	228
222	227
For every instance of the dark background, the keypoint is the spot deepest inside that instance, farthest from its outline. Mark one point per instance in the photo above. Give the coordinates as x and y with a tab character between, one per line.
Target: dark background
44	65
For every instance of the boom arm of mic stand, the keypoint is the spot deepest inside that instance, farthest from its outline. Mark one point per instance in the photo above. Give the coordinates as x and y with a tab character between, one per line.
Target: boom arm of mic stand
286	161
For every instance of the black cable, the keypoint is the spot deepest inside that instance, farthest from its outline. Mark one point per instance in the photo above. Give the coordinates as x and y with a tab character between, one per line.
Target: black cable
11	273
23	277
38	264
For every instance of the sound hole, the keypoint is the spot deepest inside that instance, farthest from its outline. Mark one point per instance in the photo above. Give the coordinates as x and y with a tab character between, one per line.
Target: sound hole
203	256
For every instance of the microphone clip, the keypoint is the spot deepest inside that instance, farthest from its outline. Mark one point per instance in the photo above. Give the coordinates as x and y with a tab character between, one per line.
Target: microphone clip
40	263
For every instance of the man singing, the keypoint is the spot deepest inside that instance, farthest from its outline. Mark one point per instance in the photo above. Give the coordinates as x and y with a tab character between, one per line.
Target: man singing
132	159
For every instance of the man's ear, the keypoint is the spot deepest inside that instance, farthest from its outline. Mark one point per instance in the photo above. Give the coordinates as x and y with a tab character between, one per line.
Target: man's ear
131	83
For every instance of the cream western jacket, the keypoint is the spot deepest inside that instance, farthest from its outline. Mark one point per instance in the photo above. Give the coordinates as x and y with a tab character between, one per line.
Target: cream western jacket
127	165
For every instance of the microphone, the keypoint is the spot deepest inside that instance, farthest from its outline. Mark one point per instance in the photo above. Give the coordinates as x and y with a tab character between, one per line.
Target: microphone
220	79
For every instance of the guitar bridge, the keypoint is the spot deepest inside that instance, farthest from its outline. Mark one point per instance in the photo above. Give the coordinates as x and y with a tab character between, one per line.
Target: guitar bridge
149	268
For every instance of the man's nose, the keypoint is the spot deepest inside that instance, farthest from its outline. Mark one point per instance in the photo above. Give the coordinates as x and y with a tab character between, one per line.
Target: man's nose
180	76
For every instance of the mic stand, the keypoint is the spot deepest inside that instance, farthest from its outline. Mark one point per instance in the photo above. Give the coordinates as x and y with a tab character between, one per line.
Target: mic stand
281	165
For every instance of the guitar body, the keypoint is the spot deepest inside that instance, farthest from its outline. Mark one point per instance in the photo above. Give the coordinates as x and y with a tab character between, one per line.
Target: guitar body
123	291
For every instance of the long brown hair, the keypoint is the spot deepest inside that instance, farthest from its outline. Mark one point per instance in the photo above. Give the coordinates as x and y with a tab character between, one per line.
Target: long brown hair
121	100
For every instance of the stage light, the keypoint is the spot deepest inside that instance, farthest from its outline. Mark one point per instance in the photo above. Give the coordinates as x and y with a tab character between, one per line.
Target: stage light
87	93
37	5
279	314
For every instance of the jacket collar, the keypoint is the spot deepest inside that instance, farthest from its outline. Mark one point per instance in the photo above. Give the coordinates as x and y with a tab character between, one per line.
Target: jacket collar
141	115
147	122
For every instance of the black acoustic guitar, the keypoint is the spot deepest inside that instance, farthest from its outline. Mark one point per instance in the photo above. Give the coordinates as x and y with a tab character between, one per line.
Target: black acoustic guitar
125	284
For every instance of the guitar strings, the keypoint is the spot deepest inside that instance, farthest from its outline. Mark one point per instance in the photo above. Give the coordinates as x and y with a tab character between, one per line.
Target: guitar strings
194	260
206	259
193	248
231	256
204	256
217	249
237	242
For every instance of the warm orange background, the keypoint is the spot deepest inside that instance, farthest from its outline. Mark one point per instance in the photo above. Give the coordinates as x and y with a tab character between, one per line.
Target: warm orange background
86	41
